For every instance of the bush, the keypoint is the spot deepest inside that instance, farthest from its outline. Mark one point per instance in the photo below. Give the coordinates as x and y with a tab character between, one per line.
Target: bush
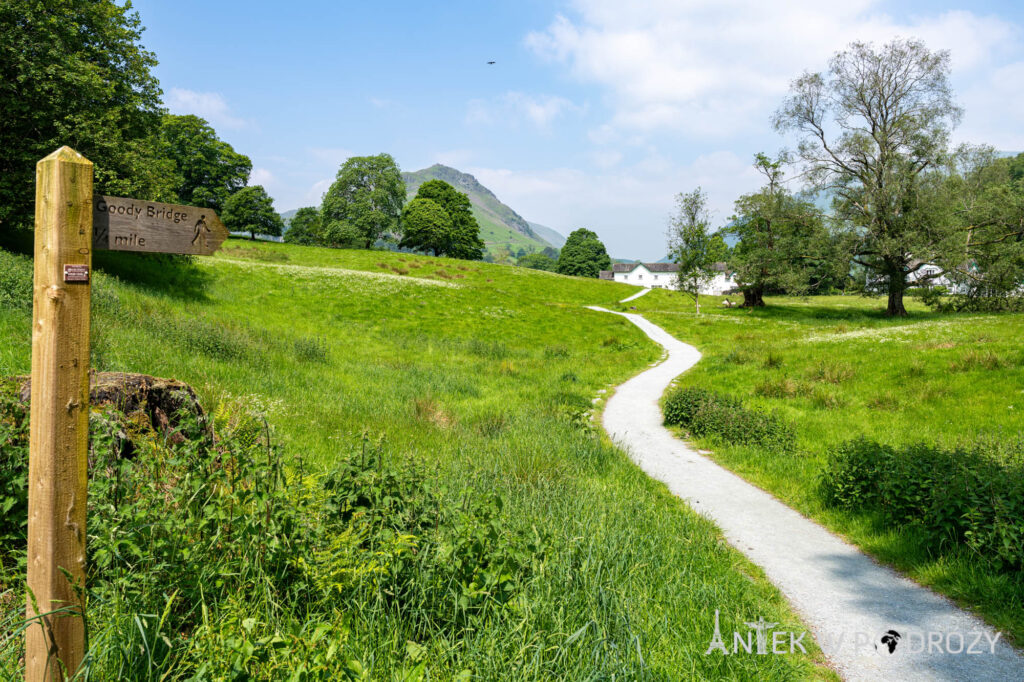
978	304
214	558
706	413
13	477
970	495
15	281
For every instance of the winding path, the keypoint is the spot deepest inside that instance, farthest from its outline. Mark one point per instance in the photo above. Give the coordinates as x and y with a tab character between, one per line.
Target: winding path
635	296
848	601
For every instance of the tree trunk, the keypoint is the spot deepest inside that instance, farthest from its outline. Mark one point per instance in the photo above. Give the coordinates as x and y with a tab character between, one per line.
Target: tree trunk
753	297
696	300
252	236
896	288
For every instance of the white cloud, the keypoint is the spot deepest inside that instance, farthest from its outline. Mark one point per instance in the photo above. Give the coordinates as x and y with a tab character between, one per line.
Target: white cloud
628	206
605	158
513	107
315	194
208	105
262	176
455	157
720	67
996	112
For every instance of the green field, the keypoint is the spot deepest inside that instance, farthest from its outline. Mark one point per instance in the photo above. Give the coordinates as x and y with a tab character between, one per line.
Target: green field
485	376
838	370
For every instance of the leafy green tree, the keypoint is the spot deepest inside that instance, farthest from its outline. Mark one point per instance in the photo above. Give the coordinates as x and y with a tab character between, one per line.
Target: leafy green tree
872	128
368	194
692	246
465	239
73	73
537	261
251	210
583	255
428	227
304	227
341	235
783	243
977	201
207	169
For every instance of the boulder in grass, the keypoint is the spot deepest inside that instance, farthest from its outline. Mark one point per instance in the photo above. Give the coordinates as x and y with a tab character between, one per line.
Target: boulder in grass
160	402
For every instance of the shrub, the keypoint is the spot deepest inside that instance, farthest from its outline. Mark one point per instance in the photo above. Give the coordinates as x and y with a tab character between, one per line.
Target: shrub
211	557
979	304
777	388
969	495
311	349
15	281
13	476
974	359
831	372
706	413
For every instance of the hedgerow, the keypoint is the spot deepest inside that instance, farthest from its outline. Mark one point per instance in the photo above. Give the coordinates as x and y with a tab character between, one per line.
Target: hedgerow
707	413
970	496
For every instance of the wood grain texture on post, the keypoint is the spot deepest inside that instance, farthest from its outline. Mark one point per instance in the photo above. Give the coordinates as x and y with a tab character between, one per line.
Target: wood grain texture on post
59	428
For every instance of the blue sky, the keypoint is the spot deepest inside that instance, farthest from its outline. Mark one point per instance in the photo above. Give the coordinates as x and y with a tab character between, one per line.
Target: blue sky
596	114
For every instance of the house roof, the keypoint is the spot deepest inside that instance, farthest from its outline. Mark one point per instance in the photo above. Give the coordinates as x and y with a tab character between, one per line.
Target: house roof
651	267
606	274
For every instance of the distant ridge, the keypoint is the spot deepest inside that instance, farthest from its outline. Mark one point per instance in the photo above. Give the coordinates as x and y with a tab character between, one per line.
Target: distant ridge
556	239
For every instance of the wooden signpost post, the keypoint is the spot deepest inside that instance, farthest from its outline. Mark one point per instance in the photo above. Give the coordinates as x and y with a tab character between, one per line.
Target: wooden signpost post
70	225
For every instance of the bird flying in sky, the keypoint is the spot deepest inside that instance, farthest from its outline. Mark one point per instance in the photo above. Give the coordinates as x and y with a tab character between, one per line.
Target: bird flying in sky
491	62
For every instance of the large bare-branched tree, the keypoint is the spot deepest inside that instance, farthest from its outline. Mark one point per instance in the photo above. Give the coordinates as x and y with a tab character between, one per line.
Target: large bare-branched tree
872	127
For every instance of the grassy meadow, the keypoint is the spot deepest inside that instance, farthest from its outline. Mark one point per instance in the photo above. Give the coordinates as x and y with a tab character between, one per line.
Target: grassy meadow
485	377
837	369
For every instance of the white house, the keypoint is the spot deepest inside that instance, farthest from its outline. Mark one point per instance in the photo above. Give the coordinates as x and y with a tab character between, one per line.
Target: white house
663	276
935	276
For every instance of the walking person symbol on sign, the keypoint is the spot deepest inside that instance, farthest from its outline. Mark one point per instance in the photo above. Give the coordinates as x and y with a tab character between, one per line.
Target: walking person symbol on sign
201	226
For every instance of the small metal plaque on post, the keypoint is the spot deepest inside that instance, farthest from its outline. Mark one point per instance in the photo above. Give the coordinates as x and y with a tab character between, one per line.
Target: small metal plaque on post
76	273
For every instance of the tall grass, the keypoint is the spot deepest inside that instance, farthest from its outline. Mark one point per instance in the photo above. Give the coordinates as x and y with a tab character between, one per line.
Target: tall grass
551	556
838	370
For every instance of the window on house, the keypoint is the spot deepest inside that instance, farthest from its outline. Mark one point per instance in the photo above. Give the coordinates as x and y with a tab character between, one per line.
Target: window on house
639	276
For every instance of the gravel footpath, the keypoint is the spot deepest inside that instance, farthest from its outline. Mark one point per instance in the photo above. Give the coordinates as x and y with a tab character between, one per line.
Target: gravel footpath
848	601
635	296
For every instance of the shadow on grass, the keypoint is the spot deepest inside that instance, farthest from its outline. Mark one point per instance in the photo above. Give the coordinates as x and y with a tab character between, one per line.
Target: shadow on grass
159	273
823	312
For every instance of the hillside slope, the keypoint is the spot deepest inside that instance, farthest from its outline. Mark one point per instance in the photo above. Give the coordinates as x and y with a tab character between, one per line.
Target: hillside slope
556	239
500	226
482	377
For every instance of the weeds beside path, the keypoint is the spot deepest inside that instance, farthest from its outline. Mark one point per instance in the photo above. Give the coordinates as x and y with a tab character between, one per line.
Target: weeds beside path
849	601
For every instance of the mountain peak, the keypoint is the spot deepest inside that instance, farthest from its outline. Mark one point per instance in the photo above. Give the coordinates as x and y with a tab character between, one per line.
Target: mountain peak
490	212
464	182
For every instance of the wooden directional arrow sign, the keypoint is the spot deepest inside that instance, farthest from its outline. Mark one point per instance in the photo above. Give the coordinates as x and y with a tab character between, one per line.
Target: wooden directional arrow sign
120	224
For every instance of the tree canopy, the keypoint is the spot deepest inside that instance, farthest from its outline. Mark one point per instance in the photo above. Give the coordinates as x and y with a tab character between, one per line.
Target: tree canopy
304	227
783	244
207	169
76	75
251	210
428	227
692	245
537	261
367	194
871	129
583	255
460	238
